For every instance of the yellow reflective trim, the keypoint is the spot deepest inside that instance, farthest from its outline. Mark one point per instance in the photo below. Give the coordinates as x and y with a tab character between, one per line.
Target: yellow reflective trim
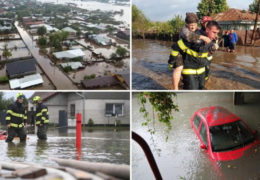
190	51
8	118
16	125
25	117
44	110
38	122
15	114
210	58
46	121
38	114
47	113
174	53
43	118
193	71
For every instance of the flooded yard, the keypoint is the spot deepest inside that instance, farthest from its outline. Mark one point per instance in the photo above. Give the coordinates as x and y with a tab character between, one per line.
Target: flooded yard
240	70
110	146
17	48
181	156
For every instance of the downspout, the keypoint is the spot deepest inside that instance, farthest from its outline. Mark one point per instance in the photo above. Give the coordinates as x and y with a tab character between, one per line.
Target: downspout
83	111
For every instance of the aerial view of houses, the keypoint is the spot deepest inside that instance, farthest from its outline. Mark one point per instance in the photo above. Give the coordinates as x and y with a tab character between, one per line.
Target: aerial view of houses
46	44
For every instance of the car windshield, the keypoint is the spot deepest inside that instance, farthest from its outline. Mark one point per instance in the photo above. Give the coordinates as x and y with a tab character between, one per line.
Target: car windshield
230	136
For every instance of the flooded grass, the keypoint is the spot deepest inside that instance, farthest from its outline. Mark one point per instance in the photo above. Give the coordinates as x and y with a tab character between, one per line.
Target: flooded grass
181	155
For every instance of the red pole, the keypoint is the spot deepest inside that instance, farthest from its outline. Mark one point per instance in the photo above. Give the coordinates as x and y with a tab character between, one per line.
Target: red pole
78	131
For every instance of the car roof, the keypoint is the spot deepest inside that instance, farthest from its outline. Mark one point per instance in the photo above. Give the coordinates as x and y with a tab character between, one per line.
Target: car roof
216	115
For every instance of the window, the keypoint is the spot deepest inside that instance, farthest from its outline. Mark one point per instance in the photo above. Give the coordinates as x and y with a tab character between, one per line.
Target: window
72	110
203	134
196	121
114	109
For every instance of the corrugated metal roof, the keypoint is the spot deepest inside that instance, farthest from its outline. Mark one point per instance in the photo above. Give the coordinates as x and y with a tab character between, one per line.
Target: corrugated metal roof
235	15
26	81
70	54
73	65
69	29
20	67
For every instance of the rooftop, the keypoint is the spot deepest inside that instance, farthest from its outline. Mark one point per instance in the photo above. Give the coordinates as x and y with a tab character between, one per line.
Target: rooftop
70	54
235	15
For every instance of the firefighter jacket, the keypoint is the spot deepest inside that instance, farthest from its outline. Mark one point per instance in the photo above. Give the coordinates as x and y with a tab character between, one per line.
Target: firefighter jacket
16	115
42	114
195	56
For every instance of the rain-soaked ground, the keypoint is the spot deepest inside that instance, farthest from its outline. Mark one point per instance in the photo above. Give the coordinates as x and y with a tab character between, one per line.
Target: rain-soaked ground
240	70
181	156
97	146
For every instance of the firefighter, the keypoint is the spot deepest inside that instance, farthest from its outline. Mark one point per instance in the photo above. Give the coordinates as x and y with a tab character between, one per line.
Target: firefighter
16	117
42	118
195	58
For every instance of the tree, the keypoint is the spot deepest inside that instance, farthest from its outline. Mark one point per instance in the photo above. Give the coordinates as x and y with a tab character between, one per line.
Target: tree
6	52
139	22
177	23
211	7
121	51
42	41
4	103
41	30
253	7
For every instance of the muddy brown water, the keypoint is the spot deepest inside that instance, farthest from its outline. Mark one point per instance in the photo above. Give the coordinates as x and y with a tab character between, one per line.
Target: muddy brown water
110	146
240	70
181	156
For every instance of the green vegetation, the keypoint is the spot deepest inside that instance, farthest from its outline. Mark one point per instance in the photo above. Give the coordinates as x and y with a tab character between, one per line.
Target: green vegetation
142	27
6	52
162	104
121	52
67	69
211	7
4	79
4	103
92	76
90	122
42	41
57	38
41	30
253	7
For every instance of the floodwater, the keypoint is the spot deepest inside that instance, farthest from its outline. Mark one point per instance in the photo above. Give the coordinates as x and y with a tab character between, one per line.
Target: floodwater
17	47
240	70
94	5
58	78
181	156
97	146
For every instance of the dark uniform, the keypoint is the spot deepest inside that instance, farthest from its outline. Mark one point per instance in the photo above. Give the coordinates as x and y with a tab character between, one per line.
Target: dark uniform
195	59
42	120
16	117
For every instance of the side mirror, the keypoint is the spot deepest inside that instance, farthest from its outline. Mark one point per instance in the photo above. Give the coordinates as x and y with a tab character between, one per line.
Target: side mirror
203	146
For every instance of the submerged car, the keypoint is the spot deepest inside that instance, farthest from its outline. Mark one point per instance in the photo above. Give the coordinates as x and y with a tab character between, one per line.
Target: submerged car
222	134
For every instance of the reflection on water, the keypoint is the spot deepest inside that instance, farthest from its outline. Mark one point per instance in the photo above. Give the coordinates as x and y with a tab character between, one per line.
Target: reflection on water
99	146
181	156
240	70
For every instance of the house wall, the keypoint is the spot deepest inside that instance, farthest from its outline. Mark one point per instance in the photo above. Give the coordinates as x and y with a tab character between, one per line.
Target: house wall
95	109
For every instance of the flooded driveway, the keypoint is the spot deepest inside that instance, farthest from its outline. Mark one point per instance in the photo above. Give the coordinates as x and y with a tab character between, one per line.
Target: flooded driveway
181	156
240	70
97	146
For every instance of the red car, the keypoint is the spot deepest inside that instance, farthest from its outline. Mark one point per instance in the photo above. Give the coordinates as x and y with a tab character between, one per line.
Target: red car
222	134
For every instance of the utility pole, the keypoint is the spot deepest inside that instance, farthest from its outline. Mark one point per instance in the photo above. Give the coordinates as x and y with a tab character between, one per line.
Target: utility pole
255	26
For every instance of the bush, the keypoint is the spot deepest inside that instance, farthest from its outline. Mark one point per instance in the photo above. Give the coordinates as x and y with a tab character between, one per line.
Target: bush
42	41
90	122
92	76
67	69
43	51
4	79
121	52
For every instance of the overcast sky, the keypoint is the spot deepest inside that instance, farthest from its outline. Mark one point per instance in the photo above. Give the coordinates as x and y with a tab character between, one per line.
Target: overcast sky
163	10
9	94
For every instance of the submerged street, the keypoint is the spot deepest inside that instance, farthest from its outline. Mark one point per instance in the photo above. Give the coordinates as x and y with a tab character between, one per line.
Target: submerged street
236	71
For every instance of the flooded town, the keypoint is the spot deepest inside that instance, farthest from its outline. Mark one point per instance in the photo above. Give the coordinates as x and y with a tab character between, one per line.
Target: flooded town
64	45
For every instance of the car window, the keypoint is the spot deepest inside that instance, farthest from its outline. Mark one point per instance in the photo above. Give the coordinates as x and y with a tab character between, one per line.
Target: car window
196	121
203	134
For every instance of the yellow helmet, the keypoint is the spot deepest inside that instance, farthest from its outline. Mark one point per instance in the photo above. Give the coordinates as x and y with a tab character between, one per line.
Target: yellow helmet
20	95
36	98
